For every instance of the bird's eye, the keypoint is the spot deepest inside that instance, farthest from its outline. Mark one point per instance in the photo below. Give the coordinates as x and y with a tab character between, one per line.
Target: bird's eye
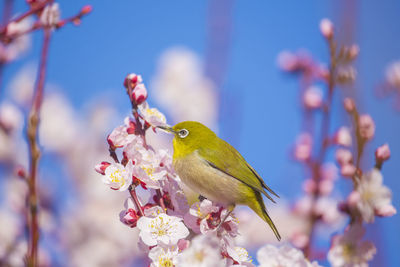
183	133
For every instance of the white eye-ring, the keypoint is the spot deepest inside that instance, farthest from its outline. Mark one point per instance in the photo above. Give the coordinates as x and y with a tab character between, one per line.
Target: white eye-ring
183	133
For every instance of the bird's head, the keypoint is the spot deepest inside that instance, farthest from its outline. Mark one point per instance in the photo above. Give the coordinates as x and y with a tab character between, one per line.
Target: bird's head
189	136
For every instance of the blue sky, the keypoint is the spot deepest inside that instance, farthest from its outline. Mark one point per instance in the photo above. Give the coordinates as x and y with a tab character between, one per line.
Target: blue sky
129	36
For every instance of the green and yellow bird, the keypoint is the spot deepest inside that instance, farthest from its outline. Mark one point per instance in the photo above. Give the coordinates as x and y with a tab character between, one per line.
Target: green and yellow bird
213	168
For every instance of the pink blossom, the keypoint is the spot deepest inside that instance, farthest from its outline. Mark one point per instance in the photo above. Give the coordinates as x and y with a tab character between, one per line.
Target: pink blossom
287	61
367	126
123	135
198	212
139	94
312	97
382	153
349	104
393	74
300	240
118	176
343	137
309	186
303	147
325	187
344	156
353	199
329	171
354	50
326	28
348	170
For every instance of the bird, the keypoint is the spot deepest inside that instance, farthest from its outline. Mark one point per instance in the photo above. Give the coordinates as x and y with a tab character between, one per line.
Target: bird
214	169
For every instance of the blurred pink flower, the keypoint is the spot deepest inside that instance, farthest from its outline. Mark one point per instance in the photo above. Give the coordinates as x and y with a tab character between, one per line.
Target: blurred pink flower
326	28
348	170
382	153
348	249
367	126
344	156
312	97
393	74
303	147
343	137
349	104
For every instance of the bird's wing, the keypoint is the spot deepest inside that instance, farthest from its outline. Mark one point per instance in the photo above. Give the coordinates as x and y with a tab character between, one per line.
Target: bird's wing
228	160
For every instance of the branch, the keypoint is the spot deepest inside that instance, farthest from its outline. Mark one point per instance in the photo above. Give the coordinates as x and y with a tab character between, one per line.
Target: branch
34	153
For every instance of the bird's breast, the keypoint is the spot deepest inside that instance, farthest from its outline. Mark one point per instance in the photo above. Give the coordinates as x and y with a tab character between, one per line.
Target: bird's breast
208	181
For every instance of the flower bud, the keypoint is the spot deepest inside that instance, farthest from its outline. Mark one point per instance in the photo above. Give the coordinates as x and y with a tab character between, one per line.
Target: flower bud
349	104
101	167
86	9
382	153
366	127
303	147
312	97
353	52
348	170
326	28
325	187
130	218
393	74
309	186
343	156
132	80
139	94
300	240
342	137
287	61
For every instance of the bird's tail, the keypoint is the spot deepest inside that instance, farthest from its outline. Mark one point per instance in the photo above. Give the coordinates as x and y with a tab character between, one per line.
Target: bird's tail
259	207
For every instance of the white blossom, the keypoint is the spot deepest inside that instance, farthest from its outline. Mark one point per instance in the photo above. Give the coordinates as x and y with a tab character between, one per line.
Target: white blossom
373	194
283	256
152	115
163	228
203	252
348	250
163	256
118	177
50	15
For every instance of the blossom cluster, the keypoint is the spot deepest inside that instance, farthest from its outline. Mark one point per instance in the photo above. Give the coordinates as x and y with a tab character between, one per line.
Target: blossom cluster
369	196
171	231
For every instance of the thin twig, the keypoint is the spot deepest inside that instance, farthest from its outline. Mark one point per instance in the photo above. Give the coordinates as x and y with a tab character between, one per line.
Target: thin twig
34	153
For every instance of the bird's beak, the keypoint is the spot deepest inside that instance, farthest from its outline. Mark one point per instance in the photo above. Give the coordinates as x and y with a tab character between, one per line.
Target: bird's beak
166	128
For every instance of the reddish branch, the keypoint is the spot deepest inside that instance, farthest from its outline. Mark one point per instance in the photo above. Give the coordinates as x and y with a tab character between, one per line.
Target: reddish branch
34	153
316	165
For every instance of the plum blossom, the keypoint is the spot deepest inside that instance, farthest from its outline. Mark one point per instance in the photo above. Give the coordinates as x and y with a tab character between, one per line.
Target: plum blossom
326	28
151	169
50	15
348	250
367	126
163	228
118	176
393	74
203	252
283	256
130	215
139	94
349	104
240	256
163	256
123	135
197	212
343	137
374	196
303	147
151	115
382	153
312	97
